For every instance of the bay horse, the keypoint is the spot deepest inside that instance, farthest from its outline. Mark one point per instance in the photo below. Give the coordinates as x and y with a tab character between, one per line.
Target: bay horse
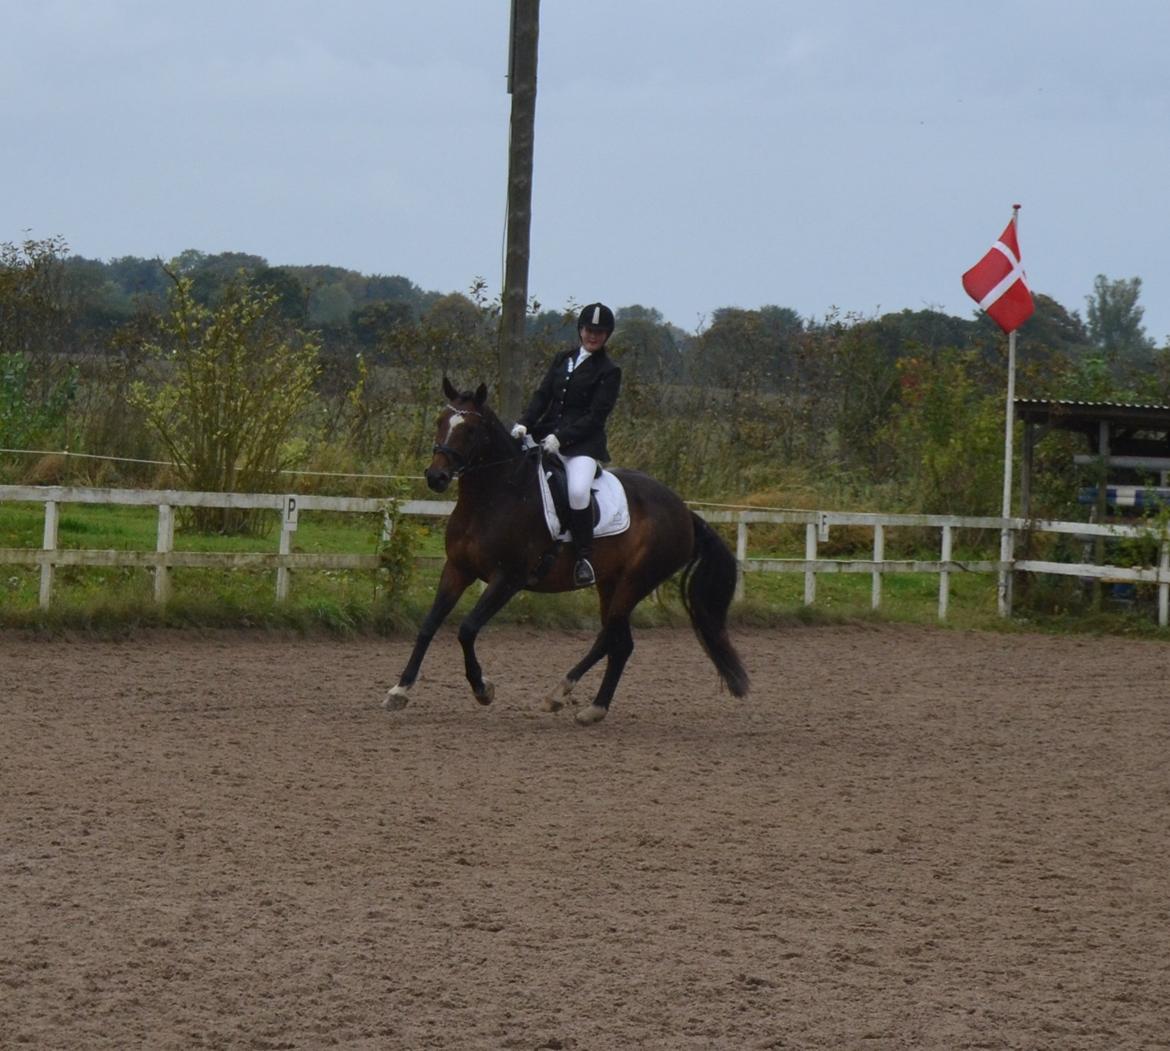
497	533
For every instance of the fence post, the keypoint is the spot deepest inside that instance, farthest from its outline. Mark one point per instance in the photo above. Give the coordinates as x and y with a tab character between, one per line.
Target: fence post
810	554
288	526
944	574
49	543
879	556
1163	583
1007	543
740	556
164	546
282	572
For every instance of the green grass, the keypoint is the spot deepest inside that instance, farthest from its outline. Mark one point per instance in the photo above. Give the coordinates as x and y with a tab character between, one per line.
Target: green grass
121	528
911	597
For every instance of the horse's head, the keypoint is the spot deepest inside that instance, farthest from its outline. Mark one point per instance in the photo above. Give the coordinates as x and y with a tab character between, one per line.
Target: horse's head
461	435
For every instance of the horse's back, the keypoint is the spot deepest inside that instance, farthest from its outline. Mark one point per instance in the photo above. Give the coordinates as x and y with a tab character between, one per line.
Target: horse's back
645	488
656	509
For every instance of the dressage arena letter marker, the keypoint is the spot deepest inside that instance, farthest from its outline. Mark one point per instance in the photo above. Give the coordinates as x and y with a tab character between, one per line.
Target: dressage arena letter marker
291	513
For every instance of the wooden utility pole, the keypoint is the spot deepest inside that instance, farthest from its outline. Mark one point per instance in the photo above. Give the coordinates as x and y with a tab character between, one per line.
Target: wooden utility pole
525	31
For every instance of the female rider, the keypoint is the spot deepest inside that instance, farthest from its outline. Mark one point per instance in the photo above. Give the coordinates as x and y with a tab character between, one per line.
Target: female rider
567	416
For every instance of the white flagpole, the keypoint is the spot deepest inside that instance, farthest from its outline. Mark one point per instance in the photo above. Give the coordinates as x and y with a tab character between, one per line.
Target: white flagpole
1005	536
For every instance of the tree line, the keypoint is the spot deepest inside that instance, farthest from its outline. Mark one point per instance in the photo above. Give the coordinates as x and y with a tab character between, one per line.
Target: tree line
233	371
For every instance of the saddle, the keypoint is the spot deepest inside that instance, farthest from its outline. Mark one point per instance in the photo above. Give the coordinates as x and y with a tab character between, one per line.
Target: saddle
607	500
557	480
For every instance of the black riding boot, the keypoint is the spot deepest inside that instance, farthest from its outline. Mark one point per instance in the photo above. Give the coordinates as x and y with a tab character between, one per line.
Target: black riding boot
581	530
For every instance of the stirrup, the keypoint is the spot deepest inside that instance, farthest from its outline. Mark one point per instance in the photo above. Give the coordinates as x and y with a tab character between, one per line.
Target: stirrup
583	575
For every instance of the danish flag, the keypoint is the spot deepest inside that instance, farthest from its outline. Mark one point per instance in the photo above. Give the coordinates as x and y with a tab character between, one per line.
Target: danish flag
998	284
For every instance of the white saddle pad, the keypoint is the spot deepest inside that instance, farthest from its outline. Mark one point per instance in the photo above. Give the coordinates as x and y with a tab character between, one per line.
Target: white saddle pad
612	506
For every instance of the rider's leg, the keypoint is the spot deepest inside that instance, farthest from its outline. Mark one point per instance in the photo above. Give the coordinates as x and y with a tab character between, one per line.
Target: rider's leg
579	473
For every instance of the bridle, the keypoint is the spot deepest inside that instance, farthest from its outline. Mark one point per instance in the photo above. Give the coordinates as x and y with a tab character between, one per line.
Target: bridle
460	462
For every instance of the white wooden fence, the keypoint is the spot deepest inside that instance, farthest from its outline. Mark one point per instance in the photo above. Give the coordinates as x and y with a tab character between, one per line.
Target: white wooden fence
817	526
164	558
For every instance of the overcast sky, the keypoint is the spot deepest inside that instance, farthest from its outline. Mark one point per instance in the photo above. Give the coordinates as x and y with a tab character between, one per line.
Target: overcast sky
689	156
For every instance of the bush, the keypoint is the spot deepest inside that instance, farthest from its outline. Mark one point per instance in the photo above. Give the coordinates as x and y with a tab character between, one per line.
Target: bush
231	385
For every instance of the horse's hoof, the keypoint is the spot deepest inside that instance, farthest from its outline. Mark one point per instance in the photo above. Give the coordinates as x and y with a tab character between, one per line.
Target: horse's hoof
554	702
488	694
396	698
593	714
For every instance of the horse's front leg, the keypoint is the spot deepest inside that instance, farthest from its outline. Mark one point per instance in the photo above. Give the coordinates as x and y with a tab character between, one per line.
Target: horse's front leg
500	589
452	583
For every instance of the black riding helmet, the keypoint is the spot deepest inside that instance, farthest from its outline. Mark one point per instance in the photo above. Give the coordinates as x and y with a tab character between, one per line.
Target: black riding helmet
596	315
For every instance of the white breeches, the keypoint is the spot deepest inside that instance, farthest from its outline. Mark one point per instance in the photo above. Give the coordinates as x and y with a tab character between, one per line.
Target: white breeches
579	472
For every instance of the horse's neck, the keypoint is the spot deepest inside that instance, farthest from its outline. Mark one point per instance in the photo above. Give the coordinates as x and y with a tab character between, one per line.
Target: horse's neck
500	476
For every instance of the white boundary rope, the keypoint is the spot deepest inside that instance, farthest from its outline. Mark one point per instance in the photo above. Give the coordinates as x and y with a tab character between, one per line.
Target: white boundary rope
170	463
339	474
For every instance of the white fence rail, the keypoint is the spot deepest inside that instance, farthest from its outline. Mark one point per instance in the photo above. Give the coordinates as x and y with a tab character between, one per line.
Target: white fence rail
817	525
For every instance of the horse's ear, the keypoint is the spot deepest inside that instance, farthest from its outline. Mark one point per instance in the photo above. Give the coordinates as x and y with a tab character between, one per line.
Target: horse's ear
450	391
480	395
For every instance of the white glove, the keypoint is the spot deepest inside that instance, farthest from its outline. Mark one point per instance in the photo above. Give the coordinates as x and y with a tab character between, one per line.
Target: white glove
551	444
518	431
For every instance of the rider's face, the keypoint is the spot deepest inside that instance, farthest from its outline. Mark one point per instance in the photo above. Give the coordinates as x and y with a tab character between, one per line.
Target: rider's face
593	338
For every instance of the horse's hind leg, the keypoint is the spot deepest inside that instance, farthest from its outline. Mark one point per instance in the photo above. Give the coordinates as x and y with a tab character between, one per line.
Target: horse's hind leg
614	642
555	700
620	645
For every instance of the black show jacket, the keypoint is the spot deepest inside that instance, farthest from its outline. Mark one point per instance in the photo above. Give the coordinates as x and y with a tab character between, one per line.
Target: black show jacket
574	406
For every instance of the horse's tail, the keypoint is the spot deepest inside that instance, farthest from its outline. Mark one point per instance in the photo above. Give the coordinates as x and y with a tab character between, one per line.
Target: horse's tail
708	586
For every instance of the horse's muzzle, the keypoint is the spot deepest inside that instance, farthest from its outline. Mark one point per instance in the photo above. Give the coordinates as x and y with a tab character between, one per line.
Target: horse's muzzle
438	480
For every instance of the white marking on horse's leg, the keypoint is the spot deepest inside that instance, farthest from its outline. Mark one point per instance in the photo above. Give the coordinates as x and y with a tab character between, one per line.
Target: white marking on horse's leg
555	699
397	698
593	714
